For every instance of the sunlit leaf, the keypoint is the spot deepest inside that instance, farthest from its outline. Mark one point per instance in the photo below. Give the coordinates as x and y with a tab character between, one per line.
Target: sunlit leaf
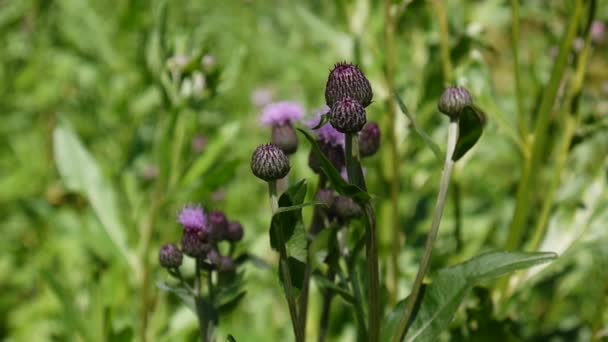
443	296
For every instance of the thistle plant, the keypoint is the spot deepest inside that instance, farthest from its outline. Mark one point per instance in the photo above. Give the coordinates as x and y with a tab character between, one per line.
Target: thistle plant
209	240
343	221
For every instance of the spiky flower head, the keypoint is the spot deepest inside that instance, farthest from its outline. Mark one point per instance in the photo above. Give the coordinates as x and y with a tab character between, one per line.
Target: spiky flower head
193	245
193	219
218	224
348	116
170	256
369	139
235	232
281	113
346	80
284	136
453	101
269	163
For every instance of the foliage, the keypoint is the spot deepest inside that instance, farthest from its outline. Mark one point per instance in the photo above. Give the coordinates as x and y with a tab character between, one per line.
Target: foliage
105	136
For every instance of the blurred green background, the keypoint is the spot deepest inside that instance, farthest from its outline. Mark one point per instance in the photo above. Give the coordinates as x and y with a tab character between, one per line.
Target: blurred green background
110	124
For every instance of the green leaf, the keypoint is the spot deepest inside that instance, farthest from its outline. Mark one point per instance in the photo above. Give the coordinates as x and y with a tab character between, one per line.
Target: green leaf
287	221
440	299
299	206
427	139
80	173
296	271
341	186
342	292
181	292
470	126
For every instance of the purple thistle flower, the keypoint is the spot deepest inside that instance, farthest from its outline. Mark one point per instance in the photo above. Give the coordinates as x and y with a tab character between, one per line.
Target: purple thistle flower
193	219
281	113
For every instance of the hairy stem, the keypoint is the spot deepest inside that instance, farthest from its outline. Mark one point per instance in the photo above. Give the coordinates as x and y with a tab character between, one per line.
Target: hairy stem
284	266
430	240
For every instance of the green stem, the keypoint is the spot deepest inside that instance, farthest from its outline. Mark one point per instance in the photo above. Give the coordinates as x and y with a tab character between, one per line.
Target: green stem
332	260
284	266
356	287
355	176
533	163
146	239
390	55
571	117
430	240
521	119
353	161
371	251
316	226
444	41
203	321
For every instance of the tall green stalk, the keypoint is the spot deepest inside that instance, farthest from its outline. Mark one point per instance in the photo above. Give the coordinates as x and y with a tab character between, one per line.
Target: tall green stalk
571	118
355	176
389	69
284	266
533	163
425	263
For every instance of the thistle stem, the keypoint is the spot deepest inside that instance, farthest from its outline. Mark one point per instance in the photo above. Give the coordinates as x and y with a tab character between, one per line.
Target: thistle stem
355	176
430	240
284	266
315	227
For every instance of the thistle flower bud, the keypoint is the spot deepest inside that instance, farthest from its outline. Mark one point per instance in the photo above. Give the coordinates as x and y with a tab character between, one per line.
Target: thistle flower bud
347	116
218	225
284	136
214	257
235	232
346	80
453	101
193	245
226	264
369	139
170	256
346	209
269	163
